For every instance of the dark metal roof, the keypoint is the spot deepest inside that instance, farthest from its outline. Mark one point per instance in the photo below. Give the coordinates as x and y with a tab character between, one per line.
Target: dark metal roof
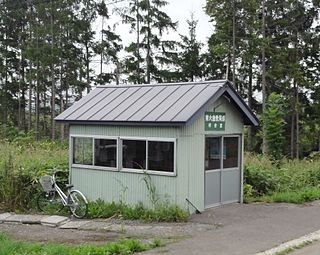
163	104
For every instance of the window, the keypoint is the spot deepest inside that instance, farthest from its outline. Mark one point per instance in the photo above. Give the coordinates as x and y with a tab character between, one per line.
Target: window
161	156
213	153
134	154
82	150
105	152
231	153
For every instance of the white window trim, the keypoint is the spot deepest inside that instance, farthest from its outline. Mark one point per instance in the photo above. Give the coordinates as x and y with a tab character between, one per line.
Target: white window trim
93	137
153	172
119	167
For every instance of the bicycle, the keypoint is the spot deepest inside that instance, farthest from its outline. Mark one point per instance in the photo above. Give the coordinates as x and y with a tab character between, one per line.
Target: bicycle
53	199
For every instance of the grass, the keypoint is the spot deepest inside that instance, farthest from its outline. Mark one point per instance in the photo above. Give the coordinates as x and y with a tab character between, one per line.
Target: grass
21	164
121	247
295	197
161	213
294	248
291	181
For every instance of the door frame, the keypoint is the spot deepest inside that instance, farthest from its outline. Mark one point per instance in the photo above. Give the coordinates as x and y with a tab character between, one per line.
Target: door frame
240	167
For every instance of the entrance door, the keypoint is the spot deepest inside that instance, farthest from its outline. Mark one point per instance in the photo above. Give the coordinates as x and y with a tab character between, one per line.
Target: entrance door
222	170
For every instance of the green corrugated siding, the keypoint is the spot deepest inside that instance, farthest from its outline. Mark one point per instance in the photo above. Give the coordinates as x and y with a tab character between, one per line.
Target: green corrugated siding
116	186
189	182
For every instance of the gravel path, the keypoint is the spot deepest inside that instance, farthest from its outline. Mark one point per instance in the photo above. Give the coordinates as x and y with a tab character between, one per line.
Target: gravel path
39	233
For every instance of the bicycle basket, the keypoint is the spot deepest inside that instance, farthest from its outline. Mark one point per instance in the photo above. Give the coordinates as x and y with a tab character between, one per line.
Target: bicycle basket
47	183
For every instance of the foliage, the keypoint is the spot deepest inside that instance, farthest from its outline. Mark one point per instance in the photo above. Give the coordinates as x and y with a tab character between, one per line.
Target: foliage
161	213
314	155
122	247
154	197
189	57
149	57
273	119
21	164
296	197
294	181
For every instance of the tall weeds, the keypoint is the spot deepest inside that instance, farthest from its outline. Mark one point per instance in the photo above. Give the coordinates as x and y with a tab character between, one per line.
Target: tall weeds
21	164
263	177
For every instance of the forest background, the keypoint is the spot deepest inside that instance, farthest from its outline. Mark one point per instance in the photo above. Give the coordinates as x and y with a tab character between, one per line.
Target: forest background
269	50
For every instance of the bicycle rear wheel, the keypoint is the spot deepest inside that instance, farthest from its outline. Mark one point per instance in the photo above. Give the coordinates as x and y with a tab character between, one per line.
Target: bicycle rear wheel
49	202
78	204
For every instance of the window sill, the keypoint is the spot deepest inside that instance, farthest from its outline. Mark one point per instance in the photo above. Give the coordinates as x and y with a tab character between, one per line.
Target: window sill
124	170
103	168
139	171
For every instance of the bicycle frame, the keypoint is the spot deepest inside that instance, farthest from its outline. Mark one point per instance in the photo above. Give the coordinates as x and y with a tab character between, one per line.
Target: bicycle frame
63	196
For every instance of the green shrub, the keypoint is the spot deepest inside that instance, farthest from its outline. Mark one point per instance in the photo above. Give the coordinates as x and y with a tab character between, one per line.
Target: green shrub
261	180
248	192
315	155
294	181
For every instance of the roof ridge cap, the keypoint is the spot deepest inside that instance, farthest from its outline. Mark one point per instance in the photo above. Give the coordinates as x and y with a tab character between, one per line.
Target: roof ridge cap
162	84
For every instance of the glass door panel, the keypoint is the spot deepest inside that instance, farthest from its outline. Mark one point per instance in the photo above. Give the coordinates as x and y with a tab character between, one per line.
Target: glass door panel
230	152
213	153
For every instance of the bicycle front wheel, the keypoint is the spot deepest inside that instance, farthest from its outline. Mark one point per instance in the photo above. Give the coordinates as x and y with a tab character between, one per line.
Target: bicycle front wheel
78	204
49	202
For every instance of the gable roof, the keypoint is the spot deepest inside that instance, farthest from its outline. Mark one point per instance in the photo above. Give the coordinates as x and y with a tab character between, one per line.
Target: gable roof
147	104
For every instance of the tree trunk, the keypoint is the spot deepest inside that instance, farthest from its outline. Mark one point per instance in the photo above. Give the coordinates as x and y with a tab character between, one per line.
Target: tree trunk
138	43
21	84
61	99
148	45
29	106
101	55
263	79
297	121
5	91
61	110
53	131
37	92
250	134
19	101
292	146
23	120
87	67
117	73
234	45
45	130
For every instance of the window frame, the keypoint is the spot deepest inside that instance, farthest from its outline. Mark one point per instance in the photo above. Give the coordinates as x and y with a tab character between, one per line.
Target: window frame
147	139
119	167
93	166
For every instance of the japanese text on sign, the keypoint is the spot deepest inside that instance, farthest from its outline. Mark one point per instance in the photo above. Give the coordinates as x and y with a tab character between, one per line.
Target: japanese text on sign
215	121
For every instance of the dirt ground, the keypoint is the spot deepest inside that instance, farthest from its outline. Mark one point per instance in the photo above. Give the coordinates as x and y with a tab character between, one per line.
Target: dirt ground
39	233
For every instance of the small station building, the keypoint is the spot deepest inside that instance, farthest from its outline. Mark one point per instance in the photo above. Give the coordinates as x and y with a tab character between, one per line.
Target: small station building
187	136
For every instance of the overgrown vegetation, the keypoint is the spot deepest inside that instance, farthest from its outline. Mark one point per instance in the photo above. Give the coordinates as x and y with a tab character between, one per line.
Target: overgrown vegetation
161	209
22	161
293	181
273	119
163	212
122	247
